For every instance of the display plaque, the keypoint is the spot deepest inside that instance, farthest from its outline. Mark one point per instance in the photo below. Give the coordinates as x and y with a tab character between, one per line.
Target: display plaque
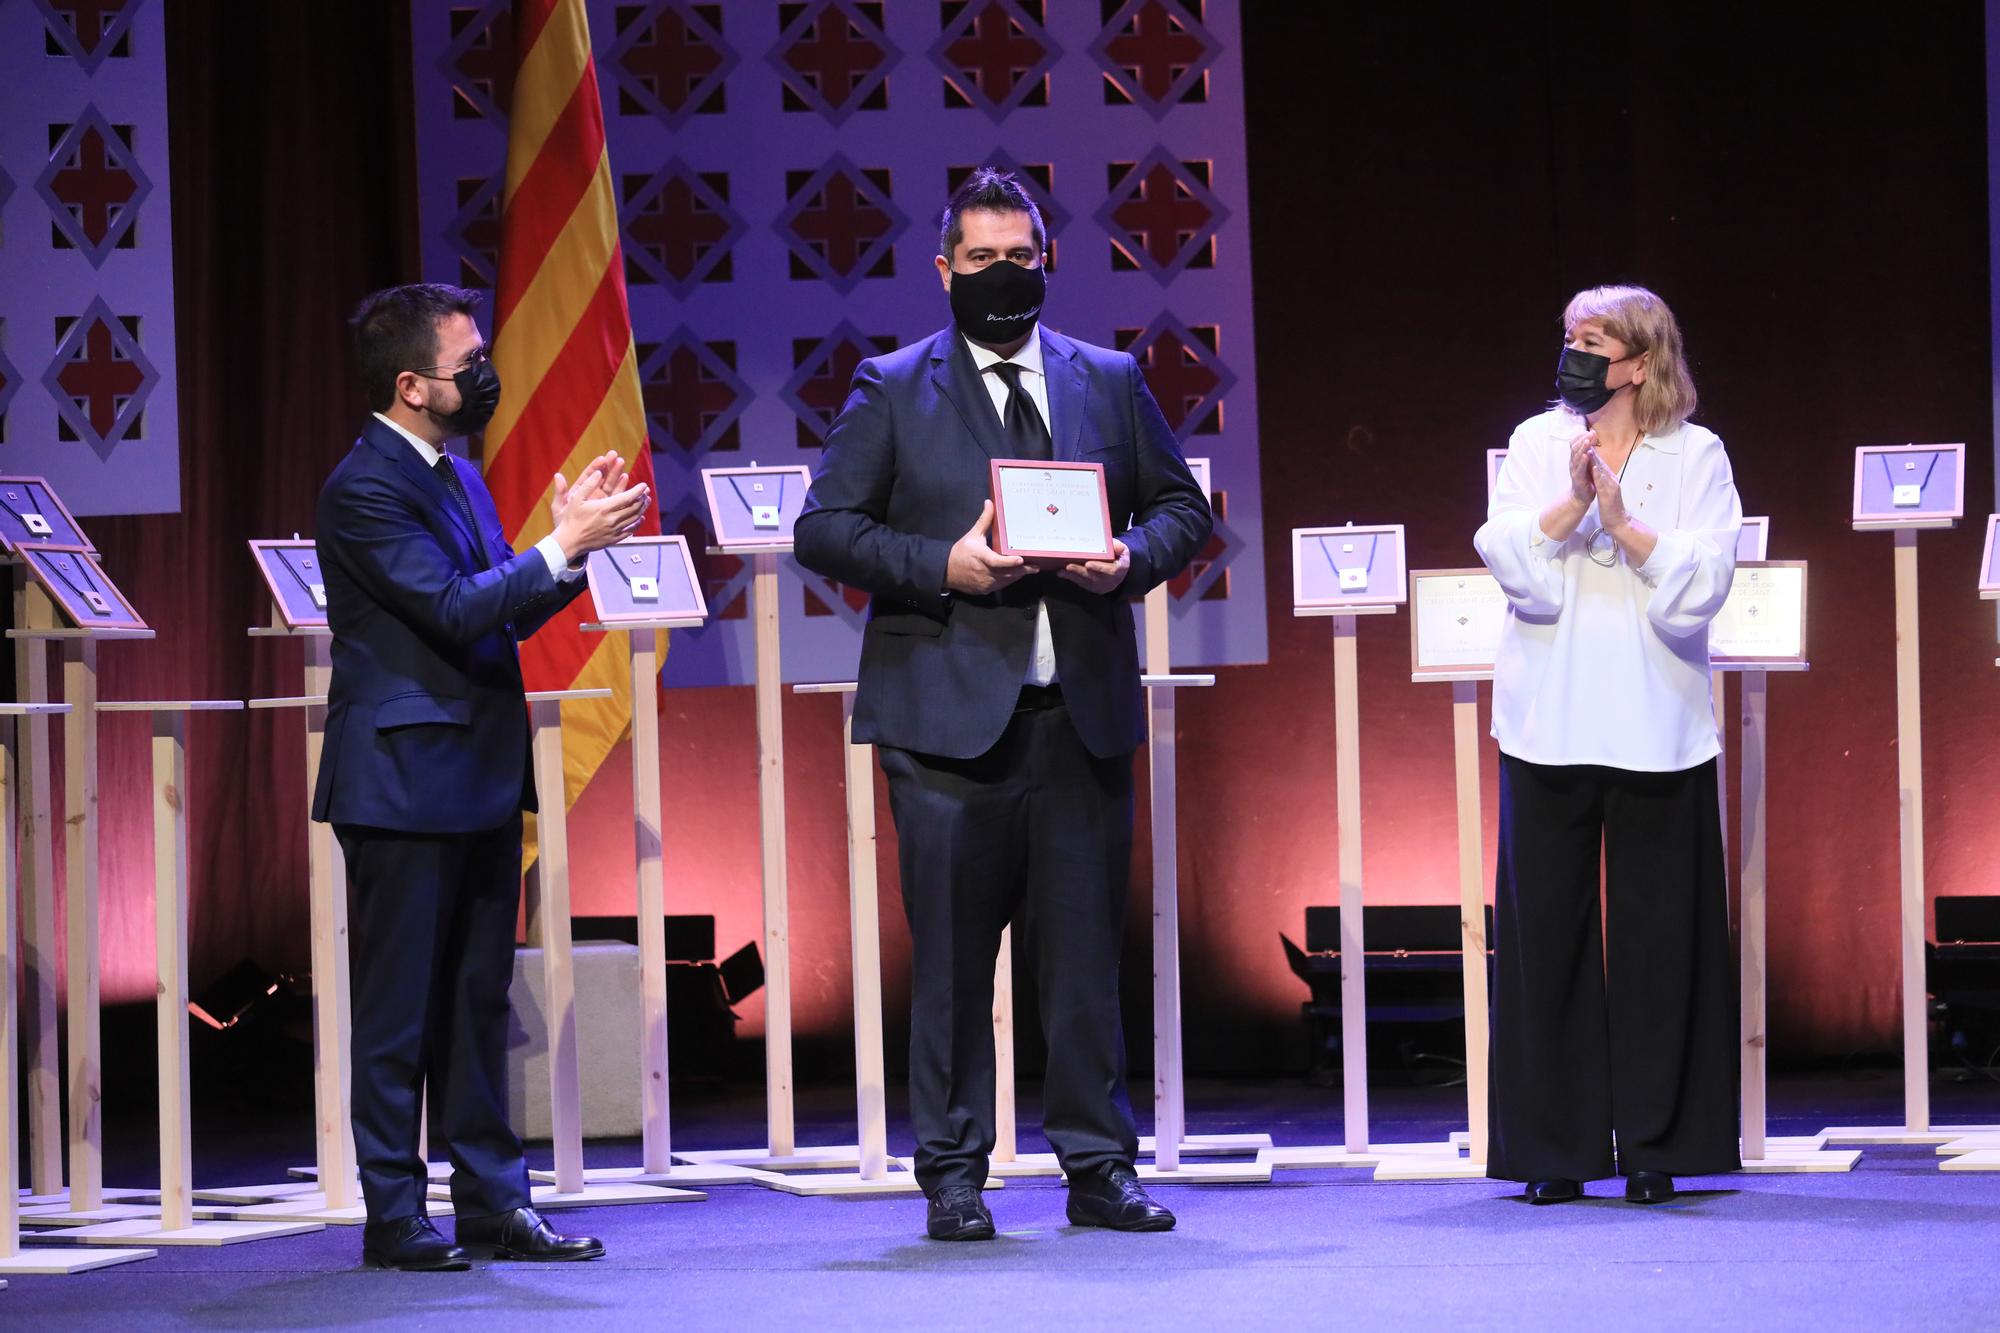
1050	511
1494	458
81	588
1989	569
1456	616
1753	539
292	572
1763	623
646	578
1204	476
31	514
1908	486
751	507
1348	566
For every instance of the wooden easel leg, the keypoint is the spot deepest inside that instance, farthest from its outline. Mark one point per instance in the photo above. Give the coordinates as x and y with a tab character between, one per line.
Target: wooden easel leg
552	909
1471	907
10	1108
1347	782
870	1080
1169	1105
170	905
332	1005
1751	923
771	827
40	942
656	1125
80	896
1005	1138
1910	787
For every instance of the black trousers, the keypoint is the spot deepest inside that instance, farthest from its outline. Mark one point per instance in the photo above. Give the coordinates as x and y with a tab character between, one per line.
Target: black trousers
431	928
1037	821
1621	1026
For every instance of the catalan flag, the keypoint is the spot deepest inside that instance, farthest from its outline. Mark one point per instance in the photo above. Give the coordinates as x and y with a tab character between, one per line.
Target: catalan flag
562	342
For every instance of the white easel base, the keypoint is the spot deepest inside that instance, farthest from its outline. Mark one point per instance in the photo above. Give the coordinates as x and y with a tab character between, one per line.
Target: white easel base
1877	1136
148	1231
1210	1145
1971	1143
108	1196
1987	1159
435	1170
847	1184
596	1196
1430	1166
64	1261
1370	1157
1780	1160
687	1177
1205	1173
839	1158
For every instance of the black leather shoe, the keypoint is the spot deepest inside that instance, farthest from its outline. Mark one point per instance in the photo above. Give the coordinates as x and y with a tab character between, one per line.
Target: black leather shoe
1111	1197
1649	1187
958	1213
522	1234
1557	1190
412	1245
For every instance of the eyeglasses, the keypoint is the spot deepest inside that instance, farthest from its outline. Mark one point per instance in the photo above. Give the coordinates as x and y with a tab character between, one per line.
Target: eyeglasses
483	352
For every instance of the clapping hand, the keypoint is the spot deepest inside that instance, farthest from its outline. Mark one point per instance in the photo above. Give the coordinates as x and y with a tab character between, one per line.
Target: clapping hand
1582	467
1610	497
600	510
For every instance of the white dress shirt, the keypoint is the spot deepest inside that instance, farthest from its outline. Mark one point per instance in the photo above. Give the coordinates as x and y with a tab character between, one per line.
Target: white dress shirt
1042	662
550	548
1602	663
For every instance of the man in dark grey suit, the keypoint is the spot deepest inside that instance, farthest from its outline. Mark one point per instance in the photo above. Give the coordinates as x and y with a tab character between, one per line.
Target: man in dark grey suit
1003	695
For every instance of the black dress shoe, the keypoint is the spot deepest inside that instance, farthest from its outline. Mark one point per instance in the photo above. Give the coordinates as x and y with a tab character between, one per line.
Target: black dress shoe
1649	1187
1111	1197
1556	1190
412	1245
522	1234
958	1213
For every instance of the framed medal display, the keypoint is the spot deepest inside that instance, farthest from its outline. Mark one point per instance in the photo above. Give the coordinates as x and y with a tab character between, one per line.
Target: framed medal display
1204	476
1348	566
291	570
752	507
646	578
1989	568
1908	486
1455	620
86	595
1763	624
31	514
1050	511
1753	539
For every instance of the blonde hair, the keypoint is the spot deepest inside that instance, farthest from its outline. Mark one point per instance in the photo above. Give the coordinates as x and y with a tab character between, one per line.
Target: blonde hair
1641	320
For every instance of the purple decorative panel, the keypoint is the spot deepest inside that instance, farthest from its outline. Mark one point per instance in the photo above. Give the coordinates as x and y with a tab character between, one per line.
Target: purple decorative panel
87	369
780	166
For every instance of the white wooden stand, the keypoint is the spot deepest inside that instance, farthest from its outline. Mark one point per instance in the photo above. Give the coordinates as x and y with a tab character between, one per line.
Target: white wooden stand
1762	1153
85	1192
40	1258
40	944
331	1191
781	1151
548	924
656	1164
1170	1142
1916	1127
170	1218
1355	1150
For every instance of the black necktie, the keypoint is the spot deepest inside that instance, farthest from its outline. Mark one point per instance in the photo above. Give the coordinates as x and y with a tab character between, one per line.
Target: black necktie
449	475
1026	433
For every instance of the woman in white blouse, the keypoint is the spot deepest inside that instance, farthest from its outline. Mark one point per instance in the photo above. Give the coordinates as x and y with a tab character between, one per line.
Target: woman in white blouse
1612	530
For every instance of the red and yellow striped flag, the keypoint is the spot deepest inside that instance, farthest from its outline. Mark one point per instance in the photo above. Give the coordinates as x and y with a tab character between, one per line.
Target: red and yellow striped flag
562	342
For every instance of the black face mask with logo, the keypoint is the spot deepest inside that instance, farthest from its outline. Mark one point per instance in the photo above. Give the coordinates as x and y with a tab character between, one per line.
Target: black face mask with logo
479	398
999	303
1580	379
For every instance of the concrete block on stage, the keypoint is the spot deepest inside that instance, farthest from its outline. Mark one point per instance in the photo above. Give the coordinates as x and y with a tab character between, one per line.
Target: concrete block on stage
607	1033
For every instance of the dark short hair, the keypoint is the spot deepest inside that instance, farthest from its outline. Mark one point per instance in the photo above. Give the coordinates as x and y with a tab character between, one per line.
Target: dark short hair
396	329
988	191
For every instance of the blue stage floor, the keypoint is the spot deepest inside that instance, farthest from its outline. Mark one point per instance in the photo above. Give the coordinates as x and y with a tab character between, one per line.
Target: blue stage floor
1896	1244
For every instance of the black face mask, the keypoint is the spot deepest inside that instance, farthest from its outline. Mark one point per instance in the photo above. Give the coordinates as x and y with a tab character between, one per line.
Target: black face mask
999	303
479	398
1580	379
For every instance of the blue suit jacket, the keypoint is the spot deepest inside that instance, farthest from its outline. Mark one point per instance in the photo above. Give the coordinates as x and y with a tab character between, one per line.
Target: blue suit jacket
902	478
427	725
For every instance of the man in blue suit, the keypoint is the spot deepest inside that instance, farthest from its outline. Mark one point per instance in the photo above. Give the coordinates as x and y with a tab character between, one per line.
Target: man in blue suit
1003	696
425	771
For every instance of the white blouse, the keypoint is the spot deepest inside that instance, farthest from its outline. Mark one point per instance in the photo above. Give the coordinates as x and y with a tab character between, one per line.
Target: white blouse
1599	662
